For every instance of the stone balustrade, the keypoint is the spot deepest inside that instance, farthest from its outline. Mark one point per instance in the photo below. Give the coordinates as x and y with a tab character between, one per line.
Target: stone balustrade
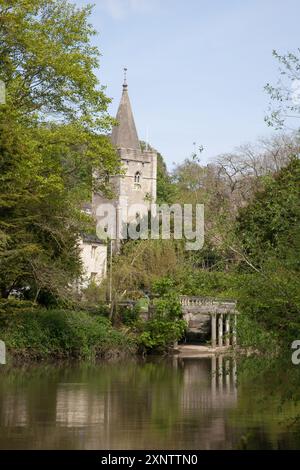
223	315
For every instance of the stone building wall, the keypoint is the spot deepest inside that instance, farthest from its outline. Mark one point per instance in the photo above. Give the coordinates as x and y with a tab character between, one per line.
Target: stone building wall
94	260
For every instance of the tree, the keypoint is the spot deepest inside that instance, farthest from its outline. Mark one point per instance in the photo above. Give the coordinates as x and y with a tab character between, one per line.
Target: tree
243	171
268	224
165	188
269	232
286	93
48	62
53	144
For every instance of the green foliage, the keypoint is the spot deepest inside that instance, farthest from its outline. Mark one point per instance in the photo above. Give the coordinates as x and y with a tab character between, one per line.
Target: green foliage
166	190
269	225
142	262
34	333
162	286
48	61
129	315
203	283
166	324
269	231
160	334
272	300
265	236
50	145
92	297
168	306
255	336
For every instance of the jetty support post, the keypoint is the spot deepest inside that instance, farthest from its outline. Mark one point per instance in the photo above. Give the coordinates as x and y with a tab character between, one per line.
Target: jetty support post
220	330
214	330
227	330
234	340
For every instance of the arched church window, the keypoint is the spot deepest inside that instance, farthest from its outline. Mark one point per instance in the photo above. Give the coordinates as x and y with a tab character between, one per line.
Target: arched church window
137	177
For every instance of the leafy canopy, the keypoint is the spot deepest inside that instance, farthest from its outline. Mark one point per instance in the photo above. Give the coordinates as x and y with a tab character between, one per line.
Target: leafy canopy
53	144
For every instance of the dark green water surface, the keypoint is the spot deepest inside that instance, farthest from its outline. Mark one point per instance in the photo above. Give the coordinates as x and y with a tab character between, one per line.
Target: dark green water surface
192	403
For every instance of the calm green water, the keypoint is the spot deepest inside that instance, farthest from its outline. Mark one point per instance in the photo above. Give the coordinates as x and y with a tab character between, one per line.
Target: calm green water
158	404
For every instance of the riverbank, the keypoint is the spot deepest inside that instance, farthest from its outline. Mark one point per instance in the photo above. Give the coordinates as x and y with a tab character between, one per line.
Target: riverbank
37	334
33	333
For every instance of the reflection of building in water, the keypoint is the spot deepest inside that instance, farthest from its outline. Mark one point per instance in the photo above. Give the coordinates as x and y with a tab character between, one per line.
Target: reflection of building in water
75	407
209	382
209	391
15	410
140	406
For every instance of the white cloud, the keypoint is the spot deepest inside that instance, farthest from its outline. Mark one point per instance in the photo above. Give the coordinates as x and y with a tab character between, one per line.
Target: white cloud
120	9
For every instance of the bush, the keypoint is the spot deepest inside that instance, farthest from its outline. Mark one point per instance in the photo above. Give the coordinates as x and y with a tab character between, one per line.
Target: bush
166	325
32	332
129	315
168	307
159	334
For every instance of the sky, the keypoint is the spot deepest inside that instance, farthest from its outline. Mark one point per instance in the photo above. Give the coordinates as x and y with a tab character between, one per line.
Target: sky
196	68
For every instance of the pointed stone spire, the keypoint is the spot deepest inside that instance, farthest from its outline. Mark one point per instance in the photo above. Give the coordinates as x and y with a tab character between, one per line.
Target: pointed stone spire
124	135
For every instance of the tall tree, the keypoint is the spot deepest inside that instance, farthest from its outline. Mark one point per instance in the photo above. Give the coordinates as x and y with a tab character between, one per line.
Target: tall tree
267	226
268	230
52	142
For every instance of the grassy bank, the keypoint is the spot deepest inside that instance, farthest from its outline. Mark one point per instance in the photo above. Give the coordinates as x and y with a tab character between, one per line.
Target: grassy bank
33	333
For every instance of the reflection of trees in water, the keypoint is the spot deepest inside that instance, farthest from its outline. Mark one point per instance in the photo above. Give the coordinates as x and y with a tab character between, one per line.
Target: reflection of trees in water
268	410
176	403
88	406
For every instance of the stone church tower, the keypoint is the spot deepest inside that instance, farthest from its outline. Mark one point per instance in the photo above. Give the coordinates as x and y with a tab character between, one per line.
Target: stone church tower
135	190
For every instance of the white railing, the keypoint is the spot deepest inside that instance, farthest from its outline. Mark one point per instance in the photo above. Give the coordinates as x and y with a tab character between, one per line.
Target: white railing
193	301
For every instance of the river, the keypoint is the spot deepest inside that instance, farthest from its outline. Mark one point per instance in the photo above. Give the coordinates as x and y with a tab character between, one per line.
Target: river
174	403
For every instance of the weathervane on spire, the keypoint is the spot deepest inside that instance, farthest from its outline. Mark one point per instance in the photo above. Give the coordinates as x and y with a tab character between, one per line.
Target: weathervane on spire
125	78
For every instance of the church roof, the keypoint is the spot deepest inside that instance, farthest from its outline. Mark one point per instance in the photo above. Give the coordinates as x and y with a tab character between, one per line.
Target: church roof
124	135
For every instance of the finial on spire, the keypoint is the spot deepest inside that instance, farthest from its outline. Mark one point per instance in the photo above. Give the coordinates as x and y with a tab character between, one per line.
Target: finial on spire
125	78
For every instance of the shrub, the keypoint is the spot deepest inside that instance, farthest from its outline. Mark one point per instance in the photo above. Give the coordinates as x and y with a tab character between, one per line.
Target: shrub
166	325
39	333
129	315
159	334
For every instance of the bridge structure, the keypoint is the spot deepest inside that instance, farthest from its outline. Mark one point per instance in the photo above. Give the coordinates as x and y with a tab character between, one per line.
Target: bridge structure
211	316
